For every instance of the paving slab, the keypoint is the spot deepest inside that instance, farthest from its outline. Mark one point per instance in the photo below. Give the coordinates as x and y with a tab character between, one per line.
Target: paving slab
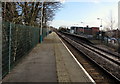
38	66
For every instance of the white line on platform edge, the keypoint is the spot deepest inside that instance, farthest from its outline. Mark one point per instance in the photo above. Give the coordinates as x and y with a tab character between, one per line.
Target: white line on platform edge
78	62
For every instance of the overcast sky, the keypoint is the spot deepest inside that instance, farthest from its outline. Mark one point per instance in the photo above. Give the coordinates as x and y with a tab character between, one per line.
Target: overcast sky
76	11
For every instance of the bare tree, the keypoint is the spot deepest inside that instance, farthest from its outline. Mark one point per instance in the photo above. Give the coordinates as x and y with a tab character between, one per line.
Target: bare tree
111	24
9	12
28	13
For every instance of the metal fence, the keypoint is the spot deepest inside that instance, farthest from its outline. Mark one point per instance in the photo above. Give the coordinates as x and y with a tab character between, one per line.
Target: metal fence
17	41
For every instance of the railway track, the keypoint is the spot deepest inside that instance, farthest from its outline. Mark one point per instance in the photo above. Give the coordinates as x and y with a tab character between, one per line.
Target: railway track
116	55
109	62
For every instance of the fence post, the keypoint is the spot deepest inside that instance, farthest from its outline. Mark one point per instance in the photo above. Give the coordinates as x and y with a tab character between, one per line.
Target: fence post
0	41
10	47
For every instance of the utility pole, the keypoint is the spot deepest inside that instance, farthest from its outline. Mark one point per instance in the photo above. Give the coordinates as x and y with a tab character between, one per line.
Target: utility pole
119	26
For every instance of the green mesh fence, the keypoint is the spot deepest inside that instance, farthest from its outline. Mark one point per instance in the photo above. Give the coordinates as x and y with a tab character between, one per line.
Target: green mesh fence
17	41
44	32
5	48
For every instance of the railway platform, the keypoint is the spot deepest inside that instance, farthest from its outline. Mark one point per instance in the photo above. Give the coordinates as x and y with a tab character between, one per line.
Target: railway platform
50	61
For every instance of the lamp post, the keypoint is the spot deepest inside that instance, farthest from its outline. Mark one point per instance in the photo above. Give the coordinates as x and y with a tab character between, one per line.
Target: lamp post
101	27
1	41
101	21
41	38
83	26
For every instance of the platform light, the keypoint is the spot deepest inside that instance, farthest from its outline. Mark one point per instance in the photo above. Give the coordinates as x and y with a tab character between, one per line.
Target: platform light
83	26
101	21
41	38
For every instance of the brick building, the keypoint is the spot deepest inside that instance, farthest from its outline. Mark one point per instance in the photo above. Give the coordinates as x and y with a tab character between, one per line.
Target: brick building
86	30
95	30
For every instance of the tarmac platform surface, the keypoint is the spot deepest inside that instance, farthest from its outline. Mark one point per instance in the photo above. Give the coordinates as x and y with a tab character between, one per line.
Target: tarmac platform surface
49	61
